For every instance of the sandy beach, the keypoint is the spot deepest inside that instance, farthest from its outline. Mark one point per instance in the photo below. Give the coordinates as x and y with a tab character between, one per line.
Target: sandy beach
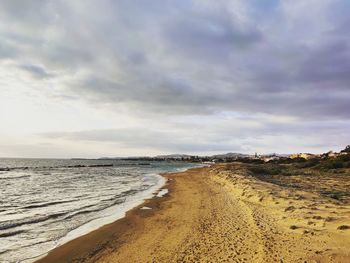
174	131
220	214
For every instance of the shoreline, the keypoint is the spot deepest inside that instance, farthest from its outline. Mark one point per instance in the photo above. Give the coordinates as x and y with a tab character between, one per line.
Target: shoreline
97	223
148	201
82	246
219	214
131	203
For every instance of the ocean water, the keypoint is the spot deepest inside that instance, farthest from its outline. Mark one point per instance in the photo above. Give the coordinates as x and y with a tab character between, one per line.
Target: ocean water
46	202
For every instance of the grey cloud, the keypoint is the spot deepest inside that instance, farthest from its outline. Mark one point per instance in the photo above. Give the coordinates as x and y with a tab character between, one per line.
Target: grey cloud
36	71
183	59
213	37
6	51
31	11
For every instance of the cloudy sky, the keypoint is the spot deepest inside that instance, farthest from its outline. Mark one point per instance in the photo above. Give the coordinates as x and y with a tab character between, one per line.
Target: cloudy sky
118	77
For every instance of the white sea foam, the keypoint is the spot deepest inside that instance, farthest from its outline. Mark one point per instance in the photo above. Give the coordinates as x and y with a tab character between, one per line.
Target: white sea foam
162	192
145	208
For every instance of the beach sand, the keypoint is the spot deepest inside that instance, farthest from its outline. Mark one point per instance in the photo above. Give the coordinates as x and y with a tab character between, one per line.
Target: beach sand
220	214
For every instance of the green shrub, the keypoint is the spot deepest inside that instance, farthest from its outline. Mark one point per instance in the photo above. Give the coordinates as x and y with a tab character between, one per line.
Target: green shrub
347	149
310	163
266	169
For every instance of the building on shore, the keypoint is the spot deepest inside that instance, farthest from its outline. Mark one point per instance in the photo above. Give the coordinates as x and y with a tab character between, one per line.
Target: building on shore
304	156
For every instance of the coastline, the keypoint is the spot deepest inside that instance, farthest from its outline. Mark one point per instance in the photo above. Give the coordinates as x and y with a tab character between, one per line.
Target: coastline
84	247
216	214
111	214
130	203
157	191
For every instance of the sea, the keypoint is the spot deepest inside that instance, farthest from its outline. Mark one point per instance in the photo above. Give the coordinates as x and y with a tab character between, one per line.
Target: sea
47	202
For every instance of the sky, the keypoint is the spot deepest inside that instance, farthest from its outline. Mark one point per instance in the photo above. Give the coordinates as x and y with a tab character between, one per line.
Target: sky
88	78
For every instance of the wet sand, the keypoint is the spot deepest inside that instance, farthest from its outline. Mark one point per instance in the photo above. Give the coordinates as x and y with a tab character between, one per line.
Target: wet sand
220	215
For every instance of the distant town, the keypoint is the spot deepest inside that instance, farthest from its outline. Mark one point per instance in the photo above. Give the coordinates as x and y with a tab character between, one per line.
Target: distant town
231	157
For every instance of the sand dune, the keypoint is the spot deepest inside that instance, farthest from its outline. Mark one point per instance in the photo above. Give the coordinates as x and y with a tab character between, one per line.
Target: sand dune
296	225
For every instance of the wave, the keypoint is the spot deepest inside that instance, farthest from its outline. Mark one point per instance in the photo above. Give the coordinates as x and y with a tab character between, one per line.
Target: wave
9	234
129	192
6	169
47	204
14	177
82	213
27	221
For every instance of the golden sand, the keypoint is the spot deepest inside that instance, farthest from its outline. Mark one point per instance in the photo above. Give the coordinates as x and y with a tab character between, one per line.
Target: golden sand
220	215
